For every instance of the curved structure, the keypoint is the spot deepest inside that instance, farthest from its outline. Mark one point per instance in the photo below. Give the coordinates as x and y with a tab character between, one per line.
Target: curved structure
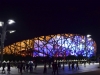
54	45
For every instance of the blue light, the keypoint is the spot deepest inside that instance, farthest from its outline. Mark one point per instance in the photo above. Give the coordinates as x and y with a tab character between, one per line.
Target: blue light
57	45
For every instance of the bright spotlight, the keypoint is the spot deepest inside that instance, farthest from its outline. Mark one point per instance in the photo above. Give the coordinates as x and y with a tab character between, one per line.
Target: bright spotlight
1	24
11	21
12	31
88	35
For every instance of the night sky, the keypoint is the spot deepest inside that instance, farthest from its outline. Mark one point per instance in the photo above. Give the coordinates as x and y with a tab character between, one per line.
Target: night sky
44	17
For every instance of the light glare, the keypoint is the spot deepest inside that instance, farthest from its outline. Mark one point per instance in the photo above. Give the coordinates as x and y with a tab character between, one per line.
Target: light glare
83	40
12	31
1	24
88	35
11	21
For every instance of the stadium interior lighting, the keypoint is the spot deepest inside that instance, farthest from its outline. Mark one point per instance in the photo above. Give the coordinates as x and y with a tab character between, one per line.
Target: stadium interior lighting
83	40
62	46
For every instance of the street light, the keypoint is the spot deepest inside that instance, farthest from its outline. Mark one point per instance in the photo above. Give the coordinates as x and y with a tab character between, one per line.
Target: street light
10	21
12	31
88	35
3	34
1	23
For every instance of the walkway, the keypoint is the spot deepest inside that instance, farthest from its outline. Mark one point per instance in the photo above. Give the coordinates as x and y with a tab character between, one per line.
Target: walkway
39	70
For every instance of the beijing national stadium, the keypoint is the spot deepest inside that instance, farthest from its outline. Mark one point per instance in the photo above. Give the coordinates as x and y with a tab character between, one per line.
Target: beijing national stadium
58	45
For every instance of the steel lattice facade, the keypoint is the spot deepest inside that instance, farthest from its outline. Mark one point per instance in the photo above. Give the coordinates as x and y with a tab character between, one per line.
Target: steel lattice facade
53	45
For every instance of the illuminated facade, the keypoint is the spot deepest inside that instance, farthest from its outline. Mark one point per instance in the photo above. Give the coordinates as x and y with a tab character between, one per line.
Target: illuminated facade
54	45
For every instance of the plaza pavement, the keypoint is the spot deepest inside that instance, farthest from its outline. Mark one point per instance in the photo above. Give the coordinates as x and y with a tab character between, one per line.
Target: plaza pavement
89	69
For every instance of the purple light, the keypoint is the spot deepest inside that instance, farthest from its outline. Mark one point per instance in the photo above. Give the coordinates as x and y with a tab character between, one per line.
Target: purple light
57	45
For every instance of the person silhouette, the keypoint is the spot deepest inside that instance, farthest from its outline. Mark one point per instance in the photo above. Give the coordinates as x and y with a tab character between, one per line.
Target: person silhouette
77	65
3	66
73	66
69	65
8	66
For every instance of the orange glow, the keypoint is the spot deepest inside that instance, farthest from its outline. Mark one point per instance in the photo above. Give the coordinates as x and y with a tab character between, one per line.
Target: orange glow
29	44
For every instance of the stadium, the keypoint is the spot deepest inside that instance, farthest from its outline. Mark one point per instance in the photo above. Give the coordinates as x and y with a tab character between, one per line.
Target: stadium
58	45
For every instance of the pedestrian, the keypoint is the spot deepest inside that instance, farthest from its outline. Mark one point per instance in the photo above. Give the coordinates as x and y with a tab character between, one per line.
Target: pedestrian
8	67
18	66
59	65
45	68
21	67
31	66
69	65
53	68
3	66
56	67
73	66
27	66
35	64
77	65
84	64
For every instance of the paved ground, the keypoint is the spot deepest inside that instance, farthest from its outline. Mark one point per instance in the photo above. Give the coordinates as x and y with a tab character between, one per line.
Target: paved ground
89	69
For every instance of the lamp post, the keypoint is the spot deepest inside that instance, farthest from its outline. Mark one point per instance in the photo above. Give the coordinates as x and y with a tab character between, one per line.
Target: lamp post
3	35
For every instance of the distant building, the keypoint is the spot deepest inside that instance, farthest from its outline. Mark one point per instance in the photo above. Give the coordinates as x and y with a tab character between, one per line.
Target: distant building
58	45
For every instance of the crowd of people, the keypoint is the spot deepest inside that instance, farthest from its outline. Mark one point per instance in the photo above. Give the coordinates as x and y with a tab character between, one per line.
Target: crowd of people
71	65
21	66
27	66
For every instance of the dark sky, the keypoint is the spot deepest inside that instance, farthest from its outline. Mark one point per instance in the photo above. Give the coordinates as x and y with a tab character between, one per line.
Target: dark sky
43	17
